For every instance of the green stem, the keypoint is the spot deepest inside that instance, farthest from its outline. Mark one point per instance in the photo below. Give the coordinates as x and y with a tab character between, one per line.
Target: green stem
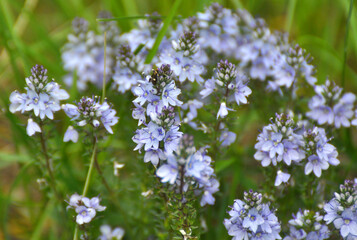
86	185
90	170
290	15
345	43
105	64
47	158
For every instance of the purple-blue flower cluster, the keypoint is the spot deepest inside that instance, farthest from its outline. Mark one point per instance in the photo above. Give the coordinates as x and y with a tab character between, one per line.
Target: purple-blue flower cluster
342	210
89	111
330	107
86	208
252	219
42	98
187	166
307	225
83	54
283	143
128	69
185	58
263	55
227	85
155	100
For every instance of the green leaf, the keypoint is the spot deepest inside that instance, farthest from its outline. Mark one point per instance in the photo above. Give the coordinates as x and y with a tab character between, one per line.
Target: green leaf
162	31
9	158
41	222
223	164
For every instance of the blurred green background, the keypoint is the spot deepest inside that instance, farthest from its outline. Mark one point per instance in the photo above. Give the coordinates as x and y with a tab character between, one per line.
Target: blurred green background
33	32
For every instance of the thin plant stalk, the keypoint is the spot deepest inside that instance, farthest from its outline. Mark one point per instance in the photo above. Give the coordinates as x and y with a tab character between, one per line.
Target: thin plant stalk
47	158
86	185
345	44
105	64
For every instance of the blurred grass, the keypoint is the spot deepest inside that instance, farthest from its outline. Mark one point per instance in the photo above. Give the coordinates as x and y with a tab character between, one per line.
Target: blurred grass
33	32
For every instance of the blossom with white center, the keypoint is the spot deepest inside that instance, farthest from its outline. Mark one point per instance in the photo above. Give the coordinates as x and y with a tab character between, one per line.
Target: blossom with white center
84	214
315	164
347	223
169	95
143	93
253	220
85	208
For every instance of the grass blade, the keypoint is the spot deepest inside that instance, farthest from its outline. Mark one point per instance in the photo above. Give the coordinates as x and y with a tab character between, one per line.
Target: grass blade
162	32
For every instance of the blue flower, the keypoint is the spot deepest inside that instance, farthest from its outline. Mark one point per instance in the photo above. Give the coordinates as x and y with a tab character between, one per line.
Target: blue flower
139	113
172	139
108	234
253	220
329	107
168	172
169	95
143	93
307	225
32	127
274	145
70	135
154	156
152	135
93	203
209	87
85	215
209	190
155	106
341	210
91	111
315	164
347	223
281	178
227	138
331	208
241	92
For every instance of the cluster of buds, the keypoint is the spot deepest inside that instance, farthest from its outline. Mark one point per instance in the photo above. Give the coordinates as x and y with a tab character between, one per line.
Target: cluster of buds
187	44
307	224
342	210
89	111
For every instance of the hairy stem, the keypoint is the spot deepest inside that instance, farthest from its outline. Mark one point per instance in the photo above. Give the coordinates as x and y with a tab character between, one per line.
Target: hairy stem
47	158
86	185
104	181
